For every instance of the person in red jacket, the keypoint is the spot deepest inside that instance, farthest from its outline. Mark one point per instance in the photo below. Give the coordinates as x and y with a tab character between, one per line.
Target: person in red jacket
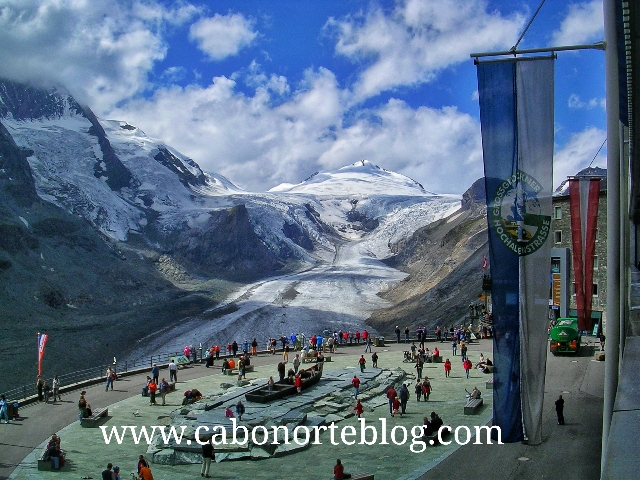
358	409
391	394
298	383
152	392
356	385
467	366
447	367
338	471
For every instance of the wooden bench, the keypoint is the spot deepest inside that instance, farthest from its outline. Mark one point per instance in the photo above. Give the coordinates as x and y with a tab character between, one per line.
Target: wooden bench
249	368
231	371
45	463
489	383
473	406
362	476
97	414
437	359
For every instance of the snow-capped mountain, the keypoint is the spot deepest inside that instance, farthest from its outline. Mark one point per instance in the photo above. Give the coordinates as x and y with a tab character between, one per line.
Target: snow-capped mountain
356	179
104	226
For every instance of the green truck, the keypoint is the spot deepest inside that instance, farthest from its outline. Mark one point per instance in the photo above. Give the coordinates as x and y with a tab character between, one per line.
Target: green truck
565	336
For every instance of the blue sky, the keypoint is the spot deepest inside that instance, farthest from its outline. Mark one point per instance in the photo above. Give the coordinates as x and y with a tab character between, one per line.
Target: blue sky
269	92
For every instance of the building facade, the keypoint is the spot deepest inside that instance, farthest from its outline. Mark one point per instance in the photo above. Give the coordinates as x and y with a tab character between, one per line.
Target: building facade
563	292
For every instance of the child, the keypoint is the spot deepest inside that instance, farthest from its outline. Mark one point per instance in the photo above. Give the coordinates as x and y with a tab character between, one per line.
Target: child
270	384
358	409
447	367
396	406
229	413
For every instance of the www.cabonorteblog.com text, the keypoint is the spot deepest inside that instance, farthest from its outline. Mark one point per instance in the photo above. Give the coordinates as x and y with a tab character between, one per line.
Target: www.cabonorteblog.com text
363	434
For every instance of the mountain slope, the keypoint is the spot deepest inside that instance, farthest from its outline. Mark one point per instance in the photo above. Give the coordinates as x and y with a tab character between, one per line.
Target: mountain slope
110	233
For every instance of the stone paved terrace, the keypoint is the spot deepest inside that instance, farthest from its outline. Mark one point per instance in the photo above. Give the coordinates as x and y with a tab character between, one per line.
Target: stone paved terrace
579	379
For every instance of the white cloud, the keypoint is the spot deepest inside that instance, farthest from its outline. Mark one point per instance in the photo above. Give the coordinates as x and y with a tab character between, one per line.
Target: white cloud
584	24
576	103
418	40
100	51
259	146
222	36
577	153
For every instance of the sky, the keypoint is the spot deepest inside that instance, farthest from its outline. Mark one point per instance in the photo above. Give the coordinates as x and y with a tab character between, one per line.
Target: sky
270	92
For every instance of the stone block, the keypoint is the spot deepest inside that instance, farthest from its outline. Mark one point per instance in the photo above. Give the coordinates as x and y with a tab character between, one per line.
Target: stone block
164	457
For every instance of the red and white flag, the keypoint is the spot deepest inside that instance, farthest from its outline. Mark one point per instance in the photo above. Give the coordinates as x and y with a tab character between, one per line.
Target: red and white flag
584	196
42	341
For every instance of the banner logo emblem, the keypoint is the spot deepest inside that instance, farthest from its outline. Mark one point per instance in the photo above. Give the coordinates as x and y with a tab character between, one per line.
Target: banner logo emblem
516	216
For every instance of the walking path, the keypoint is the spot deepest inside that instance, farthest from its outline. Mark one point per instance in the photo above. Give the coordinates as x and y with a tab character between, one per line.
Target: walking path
87	453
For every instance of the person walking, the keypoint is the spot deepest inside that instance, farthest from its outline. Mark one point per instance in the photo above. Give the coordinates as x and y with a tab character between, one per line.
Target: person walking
3	409
391	395
362	362
367	342
418	390
454	347
110	377
356	385
406	334
155	373
419	366
164	389
374	360
55	383
426	388
467	365
447	367
560	410
207	455
153	388
173	371
397	332
404	398
240	409
358	409
40	386
296	363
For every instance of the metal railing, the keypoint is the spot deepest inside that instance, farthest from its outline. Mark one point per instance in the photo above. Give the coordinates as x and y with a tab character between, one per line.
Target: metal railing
93	373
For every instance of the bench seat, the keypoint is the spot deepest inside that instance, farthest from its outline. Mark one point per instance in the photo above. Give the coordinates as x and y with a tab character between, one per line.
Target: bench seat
489	383
473	406
98	413
428	439
45	464
362	476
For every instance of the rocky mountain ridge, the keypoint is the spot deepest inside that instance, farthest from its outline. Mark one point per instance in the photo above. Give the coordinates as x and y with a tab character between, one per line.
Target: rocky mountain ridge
107	235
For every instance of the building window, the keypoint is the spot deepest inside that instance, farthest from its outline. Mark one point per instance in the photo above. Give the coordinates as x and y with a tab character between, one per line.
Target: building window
594	292
595	262
557	213
557	236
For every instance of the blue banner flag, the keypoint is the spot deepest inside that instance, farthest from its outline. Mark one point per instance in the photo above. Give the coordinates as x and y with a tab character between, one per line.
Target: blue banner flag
516	115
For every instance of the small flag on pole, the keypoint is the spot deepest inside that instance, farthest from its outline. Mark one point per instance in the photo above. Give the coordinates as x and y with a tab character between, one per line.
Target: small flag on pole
42	341
485	264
